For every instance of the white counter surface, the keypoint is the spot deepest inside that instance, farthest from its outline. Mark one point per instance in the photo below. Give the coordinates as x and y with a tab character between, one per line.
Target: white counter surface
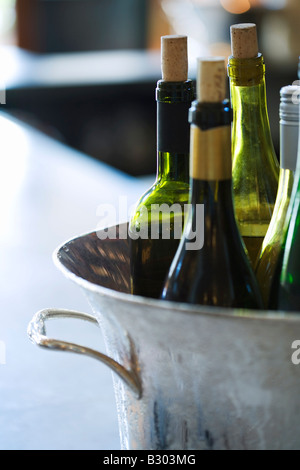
51	400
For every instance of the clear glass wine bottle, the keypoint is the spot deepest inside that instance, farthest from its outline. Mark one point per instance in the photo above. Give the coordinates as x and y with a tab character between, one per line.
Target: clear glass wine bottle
255	170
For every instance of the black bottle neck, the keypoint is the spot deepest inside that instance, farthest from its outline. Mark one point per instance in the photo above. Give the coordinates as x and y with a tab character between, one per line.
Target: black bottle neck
173	130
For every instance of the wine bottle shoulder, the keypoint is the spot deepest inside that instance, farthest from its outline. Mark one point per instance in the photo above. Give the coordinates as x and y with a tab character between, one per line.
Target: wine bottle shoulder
217	275
167	192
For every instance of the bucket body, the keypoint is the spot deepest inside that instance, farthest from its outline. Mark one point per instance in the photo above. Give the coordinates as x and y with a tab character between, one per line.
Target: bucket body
206	378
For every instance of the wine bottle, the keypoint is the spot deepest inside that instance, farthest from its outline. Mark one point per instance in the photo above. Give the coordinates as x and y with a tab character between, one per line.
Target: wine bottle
274	239
255	170
286	288
211	266
288	293
156	225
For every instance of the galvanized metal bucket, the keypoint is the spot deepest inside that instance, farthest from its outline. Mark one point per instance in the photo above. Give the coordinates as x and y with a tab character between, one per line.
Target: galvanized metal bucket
186	377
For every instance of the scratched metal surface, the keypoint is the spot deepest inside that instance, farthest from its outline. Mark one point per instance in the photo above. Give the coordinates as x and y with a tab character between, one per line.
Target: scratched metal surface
209	378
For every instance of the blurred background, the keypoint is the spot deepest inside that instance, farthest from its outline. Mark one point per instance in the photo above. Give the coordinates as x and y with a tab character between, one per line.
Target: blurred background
84	71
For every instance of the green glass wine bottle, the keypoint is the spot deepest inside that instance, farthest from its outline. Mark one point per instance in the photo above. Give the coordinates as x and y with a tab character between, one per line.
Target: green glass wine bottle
286	287
156	225
288	293
255	170
274	239
211	266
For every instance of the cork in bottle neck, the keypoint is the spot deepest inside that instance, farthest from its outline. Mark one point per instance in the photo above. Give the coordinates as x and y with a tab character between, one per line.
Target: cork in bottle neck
174	58
211	80
210	144
244	43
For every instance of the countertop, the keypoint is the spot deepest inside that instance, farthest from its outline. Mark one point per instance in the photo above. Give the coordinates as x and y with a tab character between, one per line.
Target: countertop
50	400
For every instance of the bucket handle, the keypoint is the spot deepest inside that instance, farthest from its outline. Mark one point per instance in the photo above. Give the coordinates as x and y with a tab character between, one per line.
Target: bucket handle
37	334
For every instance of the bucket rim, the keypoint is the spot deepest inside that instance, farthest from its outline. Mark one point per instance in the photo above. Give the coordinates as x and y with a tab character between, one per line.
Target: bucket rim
177	307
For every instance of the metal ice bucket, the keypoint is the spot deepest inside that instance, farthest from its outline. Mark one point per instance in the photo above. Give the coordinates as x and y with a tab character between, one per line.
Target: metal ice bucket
186	377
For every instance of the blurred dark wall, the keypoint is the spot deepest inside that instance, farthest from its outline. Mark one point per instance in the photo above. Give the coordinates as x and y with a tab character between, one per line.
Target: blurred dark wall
81	25
116	122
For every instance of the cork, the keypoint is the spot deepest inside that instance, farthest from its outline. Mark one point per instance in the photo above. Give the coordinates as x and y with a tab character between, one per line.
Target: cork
244	44
211	79
174	58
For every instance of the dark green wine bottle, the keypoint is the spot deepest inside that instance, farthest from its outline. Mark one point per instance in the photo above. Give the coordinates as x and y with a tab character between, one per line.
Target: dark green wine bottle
211	266
285	287
156	225
289	286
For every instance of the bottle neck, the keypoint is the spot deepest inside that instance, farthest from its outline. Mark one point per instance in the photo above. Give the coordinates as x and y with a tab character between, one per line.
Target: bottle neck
172	167
210	158
286	182
288	144
249	102
210	155
173	131
210	141
289	181
289	130
289	126
210	169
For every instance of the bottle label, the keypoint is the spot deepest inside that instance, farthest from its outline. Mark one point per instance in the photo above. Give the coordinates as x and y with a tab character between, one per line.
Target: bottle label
210	152
173	129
